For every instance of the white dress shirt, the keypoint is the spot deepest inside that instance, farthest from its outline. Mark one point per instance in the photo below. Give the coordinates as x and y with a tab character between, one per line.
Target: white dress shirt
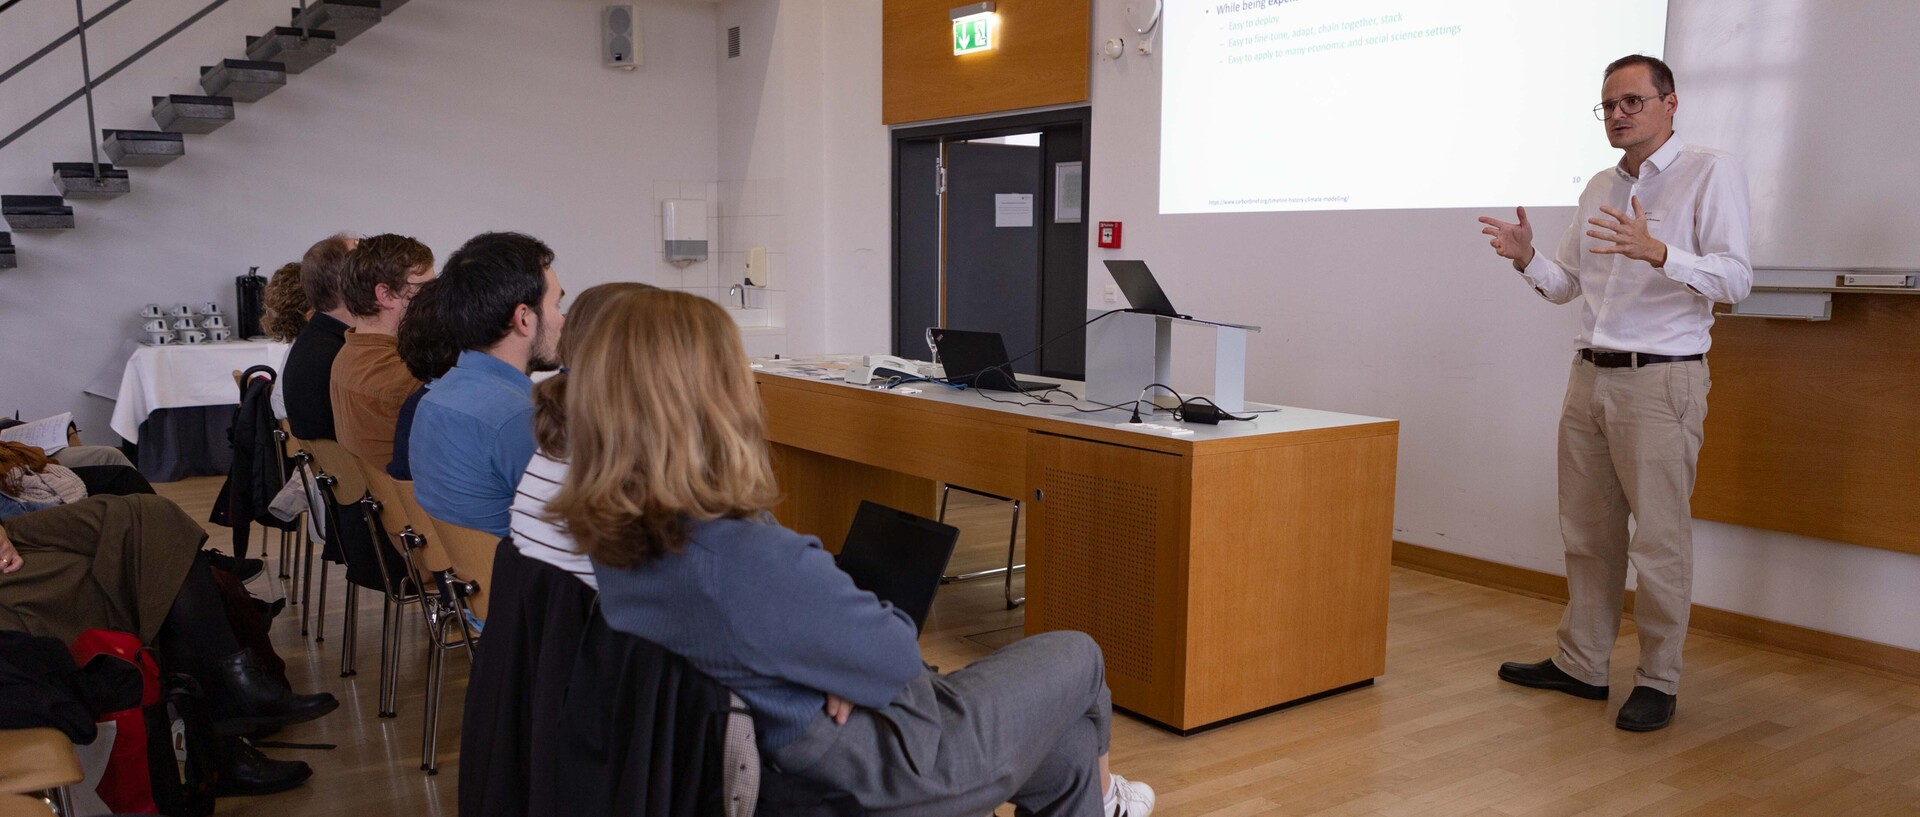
1695	199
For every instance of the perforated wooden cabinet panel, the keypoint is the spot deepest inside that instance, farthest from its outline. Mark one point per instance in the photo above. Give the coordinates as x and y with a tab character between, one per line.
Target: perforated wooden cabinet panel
1104	546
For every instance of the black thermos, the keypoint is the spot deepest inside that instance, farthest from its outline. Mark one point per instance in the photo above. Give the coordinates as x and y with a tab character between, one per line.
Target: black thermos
250	298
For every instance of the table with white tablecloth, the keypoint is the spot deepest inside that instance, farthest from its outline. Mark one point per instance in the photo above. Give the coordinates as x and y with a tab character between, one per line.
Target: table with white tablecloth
180	376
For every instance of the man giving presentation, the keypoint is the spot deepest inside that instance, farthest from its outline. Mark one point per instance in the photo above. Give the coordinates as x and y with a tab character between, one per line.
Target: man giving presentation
1657	240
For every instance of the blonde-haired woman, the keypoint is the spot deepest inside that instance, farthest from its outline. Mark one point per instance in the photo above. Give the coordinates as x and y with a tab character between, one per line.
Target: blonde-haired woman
666	483
533	532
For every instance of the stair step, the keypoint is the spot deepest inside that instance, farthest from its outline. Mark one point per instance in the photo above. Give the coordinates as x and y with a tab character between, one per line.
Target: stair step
286	45
143	148
36	212
7	258
387	6
345	18
76	180
243	80
181	113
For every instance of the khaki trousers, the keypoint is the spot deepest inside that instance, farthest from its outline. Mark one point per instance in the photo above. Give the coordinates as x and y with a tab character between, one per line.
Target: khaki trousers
1629	443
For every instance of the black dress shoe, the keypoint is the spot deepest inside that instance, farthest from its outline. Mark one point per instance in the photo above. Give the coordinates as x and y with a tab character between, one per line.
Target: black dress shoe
1646	709
245	772
242	569
1547	675
248	700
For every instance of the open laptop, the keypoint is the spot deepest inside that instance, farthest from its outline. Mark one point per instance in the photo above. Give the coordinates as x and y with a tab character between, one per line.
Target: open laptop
898	556
979	359
1142	291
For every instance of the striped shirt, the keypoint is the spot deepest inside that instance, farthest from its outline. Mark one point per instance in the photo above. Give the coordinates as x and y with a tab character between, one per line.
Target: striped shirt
532	533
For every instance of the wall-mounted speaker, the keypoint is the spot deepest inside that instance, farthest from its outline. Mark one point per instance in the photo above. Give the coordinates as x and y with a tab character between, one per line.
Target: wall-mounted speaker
619	37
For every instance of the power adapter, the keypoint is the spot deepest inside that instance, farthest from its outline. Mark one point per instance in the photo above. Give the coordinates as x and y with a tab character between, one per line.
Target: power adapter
1195	411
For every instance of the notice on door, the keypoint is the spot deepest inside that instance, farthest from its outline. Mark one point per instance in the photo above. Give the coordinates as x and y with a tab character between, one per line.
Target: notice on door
1013	209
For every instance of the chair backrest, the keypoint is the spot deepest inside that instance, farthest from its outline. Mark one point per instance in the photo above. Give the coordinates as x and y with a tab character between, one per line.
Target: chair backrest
432	554
471	552
334	459
36	759
394	516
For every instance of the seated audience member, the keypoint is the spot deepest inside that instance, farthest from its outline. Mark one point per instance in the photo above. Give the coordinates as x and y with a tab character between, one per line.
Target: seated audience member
429	351
286	305
473	432
369	380
309	367
306	384
533	533
667	479
51	566
286	314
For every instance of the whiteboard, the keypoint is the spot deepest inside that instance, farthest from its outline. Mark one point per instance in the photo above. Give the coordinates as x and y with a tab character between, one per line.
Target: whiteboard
1820	100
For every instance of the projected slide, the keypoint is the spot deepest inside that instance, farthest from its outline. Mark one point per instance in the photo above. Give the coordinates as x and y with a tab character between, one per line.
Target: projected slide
1388	104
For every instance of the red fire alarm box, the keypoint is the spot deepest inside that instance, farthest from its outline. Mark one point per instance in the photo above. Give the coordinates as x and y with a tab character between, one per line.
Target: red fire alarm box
1110	235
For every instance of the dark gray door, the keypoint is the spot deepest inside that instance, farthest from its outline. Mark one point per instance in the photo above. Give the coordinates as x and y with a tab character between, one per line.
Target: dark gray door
916	247
993	256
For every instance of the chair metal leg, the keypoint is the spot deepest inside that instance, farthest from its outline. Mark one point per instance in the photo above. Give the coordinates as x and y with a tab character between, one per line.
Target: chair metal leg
430	710
350	622
320	612
389	658
1010	569
1013	535
62	802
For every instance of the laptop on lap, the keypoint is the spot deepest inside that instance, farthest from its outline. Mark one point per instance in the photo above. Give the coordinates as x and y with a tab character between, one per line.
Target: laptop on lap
898	556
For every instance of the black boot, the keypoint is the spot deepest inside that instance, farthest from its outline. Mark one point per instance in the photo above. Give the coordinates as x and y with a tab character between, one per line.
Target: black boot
242	569
244	772
250	700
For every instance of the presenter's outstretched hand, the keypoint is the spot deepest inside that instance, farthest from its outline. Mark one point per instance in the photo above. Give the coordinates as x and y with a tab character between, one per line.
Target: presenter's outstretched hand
1511	241
1627	236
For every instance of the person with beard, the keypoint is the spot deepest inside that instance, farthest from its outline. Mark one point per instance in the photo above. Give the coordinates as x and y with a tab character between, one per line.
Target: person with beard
472	434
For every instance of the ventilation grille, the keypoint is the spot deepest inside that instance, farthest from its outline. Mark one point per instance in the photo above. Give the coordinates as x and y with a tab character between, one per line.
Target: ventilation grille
1100	543
733	42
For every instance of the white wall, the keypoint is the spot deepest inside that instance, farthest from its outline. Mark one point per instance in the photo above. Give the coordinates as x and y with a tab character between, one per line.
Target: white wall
449	118
1407	314
803	160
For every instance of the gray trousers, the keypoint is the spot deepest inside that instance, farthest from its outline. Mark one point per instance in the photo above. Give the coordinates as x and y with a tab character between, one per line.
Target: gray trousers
83	456
1629	443
1025	725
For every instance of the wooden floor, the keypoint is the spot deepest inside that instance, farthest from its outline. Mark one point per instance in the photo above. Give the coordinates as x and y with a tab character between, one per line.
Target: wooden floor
1758	733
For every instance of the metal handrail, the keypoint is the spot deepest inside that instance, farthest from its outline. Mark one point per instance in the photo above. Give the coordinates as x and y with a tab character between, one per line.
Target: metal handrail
58	41
86	90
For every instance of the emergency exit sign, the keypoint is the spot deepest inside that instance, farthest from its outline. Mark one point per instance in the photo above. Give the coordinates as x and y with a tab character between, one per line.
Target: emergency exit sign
972	34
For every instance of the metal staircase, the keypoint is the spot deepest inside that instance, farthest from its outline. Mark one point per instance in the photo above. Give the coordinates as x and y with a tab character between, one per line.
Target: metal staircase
316	31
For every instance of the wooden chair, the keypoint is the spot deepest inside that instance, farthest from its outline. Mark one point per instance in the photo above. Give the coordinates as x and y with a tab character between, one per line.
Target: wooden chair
39	762
338	475
303	465
387	523
445	614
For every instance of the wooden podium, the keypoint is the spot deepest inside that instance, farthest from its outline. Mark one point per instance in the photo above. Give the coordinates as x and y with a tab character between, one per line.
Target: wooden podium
1226	573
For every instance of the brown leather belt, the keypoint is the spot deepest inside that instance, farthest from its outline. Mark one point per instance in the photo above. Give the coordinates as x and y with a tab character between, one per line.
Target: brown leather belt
1631	360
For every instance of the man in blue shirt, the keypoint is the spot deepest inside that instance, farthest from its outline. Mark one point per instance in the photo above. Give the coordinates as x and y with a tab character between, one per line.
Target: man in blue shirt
472	434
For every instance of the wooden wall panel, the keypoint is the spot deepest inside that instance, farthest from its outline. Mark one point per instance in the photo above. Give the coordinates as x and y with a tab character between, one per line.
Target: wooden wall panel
1041	59
1814	428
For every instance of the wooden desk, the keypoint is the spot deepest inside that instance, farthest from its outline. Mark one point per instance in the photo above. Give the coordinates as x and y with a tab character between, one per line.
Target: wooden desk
1226	573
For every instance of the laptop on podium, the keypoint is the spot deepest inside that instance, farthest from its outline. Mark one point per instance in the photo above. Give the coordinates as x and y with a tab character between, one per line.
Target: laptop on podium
1143	292
979	359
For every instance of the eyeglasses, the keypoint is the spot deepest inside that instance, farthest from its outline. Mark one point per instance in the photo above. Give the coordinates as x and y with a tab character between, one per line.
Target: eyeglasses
1630	104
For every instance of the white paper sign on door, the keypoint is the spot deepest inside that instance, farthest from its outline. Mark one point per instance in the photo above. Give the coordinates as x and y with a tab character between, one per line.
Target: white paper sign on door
1013	209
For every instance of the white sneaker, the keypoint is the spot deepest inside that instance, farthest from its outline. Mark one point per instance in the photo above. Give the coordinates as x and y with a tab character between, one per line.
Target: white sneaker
1131	798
